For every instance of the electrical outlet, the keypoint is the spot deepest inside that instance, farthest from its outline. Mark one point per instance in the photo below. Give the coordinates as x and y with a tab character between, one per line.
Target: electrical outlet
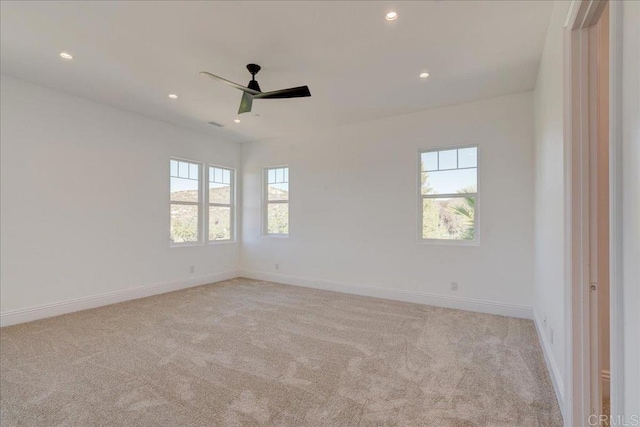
551	335
277	266
192	269
454	286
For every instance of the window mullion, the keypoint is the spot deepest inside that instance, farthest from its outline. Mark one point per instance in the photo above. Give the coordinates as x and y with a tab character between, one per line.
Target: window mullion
203	224
448	196
185	203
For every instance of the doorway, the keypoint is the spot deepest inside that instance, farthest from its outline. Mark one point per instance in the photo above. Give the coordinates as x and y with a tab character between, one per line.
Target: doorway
599	215
588	181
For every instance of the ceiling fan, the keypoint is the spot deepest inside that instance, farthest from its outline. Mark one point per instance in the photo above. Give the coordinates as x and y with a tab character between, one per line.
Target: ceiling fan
252	91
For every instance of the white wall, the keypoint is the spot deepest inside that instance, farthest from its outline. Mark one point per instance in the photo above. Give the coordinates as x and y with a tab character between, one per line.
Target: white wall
631	204
85	199
353	207
549	199
549	267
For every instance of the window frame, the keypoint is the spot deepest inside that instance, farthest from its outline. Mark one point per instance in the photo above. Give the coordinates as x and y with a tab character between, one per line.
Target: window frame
421	197
266	202
232	205
199	204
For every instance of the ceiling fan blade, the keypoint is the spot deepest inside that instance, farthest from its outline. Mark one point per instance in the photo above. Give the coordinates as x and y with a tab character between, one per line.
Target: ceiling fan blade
294	92
230	83
245	103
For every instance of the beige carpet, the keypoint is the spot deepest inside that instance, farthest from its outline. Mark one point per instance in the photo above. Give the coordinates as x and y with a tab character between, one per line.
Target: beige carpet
244	352
606	409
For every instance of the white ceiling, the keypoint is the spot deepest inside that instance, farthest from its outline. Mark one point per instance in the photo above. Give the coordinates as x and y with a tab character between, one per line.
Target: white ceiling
358	66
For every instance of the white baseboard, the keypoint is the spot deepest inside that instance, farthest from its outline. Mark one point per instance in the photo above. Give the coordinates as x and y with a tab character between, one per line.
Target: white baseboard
14	317
552	366
489	307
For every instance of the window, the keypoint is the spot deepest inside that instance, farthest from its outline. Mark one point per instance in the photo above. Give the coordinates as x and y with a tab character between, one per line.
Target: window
221	204
449	194
185	202
276	198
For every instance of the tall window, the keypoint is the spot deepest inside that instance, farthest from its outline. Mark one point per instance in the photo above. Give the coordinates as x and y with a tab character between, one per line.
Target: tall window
276	198
449	194
185	202
221	204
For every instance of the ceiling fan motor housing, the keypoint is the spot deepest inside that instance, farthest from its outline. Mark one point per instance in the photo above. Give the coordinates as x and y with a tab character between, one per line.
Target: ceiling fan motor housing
253	69
253	84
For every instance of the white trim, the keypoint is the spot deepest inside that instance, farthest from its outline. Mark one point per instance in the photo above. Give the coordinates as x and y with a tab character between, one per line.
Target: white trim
616	321
568	207
231	205
29	314
222	242
579	353
468	304
552	365
420	206
577	350
574	402
578	375
199	204
452	242
569	13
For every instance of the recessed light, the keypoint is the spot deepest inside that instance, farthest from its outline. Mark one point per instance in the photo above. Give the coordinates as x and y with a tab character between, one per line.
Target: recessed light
173	96
391	16
424	75
65	55
237	121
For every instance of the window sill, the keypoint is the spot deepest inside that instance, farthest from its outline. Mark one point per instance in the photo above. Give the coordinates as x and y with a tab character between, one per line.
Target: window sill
222	242
184	245
445	242
277	236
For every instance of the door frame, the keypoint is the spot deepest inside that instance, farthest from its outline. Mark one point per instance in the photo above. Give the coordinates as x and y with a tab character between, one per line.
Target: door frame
583	14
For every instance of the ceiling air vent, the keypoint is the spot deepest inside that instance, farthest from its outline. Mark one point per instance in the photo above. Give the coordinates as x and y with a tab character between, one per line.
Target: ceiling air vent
220	125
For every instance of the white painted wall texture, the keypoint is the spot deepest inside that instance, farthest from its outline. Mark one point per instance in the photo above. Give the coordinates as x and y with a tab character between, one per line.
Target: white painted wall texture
84	196
354	205
85	199
631	204
549	195
549	229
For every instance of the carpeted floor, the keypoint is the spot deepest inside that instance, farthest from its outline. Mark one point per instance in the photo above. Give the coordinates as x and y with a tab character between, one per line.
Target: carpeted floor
244	352
606	409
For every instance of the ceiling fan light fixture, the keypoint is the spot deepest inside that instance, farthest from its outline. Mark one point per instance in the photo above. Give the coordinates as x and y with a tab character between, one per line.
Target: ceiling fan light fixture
391	16
173	96
424	75
65	55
